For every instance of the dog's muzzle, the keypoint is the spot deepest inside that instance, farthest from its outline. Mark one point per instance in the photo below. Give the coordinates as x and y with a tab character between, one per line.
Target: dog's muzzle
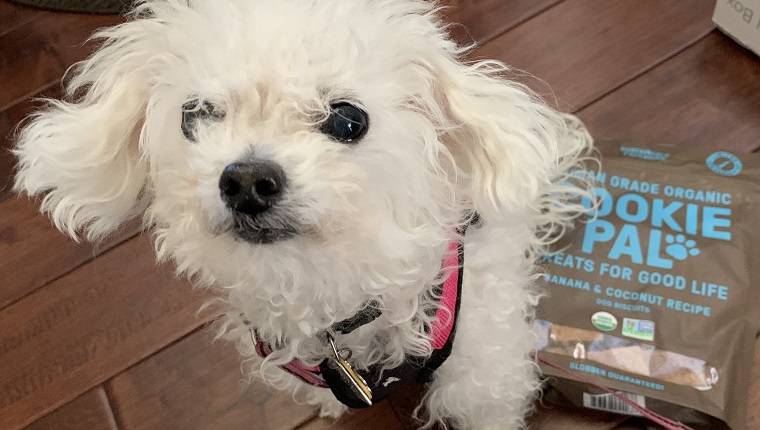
252	190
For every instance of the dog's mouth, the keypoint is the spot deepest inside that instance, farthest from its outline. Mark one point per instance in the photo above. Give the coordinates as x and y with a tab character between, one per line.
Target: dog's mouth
264	236
263	230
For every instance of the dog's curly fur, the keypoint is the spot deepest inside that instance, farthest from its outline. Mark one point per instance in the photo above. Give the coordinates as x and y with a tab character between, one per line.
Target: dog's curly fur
374	218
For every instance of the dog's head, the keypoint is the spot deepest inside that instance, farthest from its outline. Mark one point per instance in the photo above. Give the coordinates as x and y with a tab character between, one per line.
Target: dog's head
285	139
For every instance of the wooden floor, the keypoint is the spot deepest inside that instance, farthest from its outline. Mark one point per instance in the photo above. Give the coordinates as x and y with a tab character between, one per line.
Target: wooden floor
98	337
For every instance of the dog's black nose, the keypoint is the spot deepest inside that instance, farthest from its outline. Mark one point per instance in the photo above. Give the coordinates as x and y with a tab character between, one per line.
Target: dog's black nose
253	187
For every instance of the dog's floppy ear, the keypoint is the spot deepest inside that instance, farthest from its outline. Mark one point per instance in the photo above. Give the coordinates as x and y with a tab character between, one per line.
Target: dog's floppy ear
512	145
84	155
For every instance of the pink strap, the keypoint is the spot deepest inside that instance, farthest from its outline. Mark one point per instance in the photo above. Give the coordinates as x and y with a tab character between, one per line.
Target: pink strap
444	323
665	422
309	375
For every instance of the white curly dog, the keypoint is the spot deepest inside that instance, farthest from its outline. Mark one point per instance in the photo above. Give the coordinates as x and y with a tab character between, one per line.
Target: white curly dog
313	161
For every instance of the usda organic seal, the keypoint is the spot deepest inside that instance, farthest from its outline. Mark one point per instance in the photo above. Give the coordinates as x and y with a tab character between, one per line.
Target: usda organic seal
604	321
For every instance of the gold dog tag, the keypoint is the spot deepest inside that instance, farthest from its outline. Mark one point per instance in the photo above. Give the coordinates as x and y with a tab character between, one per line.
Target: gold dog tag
340	363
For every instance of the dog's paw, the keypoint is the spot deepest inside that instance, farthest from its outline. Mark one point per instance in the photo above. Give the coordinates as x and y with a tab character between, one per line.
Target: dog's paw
502	426
329	406
332	410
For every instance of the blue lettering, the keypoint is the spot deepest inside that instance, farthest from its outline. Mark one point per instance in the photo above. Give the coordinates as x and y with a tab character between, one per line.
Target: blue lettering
663	215
627	243
640	204
653	251
712	220
692	219
597	231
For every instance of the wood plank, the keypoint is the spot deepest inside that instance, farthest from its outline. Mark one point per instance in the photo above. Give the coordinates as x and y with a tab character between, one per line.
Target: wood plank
478	21
378	417
38	53
86	327
583	49
26	241
13	15
89	411
195	384
707	96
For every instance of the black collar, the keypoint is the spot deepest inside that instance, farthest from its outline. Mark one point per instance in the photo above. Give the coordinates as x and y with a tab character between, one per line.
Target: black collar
369	313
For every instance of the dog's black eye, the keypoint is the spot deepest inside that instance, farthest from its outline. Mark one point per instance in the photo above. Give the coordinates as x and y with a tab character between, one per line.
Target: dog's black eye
346	123
195	110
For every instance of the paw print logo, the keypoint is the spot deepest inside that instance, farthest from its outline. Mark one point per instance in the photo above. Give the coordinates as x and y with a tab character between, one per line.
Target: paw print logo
680	248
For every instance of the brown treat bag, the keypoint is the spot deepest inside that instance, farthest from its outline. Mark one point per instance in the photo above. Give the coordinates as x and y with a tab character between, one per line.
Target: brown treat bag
658	296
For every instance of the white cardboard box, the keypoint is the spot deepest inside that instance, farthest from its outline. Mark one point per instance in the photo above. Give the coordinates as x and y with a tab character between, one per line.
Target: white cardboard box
740	19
